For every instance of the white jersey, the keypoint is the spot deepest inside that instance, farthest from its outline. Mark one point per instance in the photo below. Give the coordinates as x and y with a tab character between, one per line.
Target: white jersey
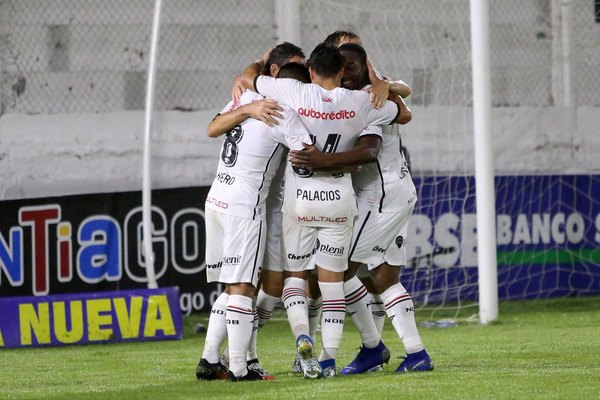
335	119
249	158
275	197
386	186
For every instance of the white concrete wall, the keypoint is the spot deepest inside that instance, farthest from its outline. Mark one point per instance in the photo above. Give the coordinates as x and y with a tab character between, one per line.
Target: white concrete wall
53	155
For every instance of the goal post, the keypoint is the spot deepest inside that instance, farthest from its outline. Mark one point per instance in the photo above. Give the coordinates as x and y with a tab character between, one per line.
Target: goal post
484	164
147	151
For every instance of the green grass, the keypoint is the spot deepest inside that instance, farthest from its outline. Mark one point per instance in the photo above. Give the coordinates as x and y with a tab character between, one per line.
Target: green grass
547	349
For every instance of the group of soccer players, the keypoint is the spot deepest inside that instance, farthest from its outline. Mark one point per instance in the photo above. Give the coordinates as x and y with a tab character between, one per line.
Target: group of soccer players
340	199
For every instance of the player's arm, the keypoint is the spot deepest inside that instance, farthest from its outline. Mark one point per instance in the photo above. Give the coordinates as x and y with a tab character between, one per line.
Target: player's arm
381	88
400	88
404	115
266	110
364	151
393	111
246	79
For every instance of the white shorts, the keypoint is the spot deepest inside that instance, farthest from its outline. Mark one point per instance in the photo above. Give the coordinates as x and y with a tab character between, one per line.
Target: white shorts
235	248
381	237
305	246
274	248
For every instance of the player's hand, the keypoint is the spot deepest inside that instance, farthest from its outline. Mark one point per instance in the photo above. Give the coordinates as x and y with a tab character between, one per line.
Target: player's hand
379	90
266	110
379	93
310	157
237	88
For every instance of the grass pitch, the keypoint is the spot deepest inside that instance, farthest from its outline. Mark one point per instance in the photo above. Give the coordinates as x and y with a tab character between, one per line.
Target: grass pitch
546	349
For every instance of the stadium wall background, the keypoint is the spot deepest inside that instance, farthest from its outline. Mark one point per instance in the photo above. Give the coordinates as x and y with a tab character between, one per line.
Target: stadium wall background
62	154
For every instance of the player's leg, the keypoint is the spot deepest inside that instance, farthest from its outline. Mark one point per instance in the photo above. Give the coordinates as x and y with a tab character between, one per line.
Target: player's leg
299	244
398	303
271	286
243	252
239	319
264	305
269	295
367	236
332	317
271	280
377	309
209	367
400	310
252	355
315	304
314	300
358	307
331	259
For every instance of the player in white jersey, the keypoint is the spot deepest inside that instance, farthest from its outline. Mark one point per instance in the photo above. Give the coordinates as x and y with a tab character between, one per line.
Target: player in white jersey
386	196
268	111
319	208
235	218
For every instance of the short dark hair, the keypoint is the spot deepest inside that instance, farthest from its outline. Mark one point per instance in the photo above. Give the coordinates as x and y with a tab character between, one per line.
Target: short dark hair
326	60
357	49
281	55
336	37
295	71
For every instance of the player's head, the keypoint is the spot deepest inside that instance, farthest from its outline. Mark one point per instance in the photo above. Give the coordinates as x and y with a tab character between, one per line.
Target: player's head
326	62
296	71
282	54
338	38
356	72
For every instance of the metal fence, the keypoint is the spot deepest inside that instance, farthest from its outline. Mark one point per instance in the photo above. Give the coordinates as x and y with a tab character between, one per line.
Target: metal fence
76	56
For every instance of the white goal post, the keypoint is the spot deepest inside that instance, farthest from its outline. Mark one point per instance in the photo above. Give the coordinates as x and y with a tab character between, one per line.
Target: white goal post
484	164
147	152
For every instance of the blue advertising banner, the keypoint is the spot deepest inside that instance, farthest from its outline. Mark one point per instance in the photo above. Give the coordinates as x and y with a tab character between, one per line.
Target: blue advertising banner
128	315
548	230
548	235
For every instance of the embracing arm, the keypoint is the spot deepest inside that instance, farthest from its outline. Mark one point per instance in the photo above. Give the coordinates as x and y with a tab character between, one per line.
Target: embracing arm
265	110
365	150
381	88
400	88
246	79
405	116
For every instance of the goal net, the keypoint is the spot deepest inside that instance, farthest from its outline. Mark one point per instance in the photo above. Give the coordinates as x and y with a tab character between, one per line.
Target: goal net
547	222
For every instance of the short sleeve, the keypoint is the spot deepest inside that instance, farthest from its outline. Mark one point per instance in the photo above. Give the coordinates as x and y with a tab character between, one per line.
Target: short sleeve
246	98
373	116
285	90
372	130
292	131
384	115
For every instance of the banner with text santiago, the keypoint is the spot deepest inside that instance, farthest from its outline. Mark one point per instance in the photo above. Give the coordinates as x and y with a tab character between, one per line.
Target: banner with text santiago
548	235
84	243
